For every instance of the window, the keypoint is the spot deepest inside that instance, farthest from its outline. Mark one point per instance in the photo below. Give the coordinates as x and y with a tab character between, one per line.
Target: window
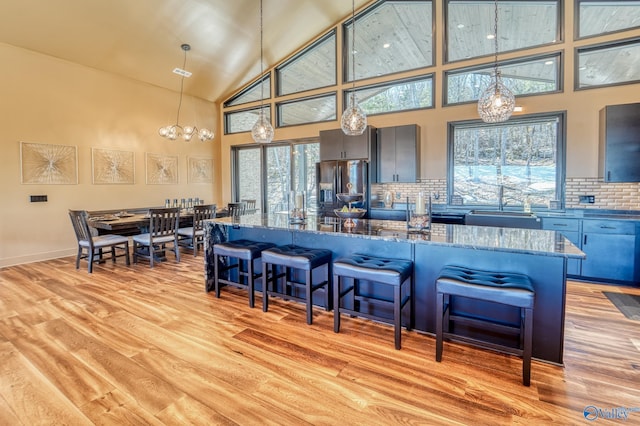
242	121
252	93
308	110
401	95
608	64
524	77
522	24
524	157
392	36
314	67
247	175
597	17
268	173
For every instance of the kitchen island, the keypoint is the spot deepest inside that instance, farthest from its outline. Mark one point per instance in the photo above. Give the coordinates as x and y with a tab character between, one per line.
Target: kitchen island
542	255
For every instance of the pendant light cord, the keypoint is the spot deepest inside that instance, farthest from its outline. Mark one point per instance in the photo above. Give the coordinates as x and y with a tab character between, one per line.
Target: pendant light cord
353	45
495	38
185	47
261	65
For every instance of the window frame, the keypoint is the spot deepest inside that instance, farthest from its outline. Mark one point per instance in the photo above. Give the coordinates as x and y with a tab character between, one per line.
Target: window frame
228	114
600	46
561	150
278	77
559	38
307	98
347	92
576	26
560	75
266	78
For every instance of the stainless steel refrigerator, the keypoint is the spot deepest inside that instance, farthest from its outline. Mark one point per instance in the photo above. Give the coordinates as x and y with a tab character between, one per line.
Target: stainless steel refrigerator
332	178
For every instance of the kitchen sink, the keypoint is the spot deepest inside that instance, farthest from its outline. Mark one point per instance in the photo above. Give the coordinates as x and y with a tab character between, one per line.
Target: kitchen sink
503	219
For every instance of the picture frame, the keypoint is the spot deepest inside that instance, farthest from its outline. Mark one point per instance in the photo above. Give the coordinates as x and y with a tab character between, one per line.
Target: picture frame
200	170
48	164
161	169
112	167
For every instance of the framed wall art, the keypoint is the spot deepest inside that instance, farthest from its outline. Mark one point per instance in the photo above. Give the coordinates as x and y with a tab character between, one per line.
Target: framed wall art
161	169
112	167
200	170
48	164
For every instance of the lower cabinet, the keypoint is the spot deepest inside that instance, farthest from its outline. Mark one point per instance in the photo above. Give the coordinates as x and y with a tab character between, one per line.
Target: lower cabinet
611	248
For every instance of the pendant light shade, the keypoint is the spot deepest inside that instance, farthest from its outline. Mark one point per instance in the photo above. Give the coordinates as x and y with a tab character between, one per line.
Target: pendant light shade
262	130
497	102
176	131
354	120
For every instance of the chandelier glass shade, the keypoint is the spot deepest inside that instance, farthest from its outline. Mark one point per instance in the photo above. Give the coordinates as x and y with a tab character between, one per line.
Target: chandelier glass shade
354	120
176	131
262	130
497	102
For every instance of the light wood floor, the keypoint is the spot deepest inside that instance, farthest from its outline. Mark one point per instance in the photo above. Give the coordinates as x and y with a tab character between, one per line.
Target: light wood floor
148	346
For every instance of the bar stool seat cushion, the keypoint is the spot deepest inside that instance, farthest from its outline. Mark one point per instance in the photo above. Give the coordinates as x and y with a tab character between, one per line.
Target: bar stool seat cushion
387	271
293	256
509	289
241	249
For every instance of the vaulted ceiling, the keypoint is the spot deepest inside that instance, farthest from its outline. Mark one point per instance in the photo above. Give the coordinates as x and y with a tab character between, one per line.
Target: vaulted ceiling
140	39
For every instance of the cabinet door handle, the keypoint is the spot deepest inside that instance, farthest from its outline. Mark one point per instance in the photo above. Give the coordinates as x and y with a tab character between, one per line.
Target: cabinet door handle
559	224
584	242
607	227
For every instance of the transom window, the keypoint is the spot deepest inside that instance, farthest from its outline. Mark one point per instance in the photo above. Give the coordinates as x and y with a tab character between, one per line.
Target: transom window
521	24
522	159
313	68
395	96
391	37
522	77
252	93
243	121
597	17
307	110
608	64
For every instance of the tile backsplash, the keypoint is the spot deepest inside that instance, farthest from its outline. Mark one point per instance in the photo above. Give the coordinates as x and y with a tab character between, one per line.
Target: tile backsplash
609	196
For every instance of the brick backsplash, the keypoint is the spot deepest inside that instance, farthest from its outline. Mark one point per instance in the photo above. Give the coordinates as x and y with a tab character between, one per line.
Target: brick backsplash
610	196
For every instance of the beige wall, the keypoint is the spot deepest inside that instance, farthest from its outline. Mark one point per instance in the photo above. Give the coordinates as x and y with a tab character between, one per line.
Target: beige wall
50	101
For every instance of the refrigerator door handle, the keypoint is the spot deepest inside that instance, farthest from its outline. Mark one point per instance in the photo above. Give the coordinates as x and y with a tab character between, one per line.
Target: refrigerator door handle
338	180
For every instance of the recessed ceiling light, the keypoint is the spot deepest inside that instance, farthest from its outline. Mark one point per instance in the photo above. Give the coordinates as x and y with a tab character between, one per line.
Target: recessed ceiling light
549	63
491	36
460	26
386	45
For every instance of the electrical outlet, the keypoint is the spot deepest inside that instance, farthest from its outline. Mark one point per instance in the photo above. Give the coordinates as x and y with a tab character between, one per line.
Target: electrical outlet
587	199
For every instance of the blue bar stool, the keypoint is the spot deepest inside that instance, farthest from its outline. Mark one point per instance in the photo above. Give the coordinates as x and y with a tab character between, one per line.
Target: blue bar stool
240	256
292	258
397	273
499	287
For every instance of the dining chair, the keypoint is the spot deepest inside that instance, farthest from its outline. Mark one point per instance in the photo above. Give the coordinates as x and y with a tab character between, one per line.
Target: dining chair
193	236
91	245
249	206
163	230
236	209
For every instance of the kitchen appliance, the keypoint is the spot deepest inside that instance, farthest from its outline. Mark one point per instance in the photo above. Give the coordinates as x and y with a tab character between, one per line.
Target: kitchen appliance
333	177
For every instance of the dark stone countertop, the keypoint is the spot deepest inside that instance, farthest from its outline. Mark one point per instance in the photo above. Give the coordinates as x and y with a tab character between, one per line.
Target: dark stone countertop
528	241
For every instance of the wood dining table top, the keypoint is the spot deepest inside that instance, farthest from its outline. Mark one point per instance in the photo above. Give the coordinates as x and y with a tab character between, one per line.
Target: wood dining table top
123	221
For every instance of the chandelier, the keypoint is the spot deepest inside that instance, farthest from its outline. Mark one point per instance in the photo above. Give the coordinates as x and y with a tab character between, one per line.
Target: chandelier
262	130
176	131
354	120
497	102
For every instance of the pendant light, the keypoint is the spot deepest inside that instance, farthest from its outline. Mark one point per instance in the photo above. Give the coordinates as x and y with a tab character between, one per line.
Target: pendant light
262	130
497	102
354	120
187	132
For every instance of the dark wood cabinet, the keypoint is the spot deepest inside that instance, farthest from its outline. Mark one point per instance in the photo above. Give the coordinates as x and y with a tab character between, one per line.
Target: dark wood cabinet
620	143
398	154
335	145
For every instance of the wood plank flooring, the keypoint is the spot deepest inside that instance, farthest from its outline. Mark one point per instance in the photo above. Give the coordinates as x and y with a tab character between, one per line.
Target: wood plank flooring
140	346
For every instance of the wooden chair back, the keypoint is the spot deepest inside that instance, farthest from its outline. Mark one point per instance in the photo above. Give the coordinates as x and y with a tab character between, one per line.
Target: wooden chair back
81	226
202	213
236	209
249	206
164	222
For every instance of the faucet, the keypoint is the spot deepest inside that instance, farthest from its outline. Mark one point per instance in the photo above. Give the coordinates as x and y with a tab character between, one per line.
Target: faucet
501	197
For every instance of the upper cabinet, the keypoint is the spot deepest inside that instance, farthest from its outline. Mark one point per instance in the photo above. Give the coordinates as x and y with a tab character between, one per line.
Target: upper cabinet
398	154
620	143
335	145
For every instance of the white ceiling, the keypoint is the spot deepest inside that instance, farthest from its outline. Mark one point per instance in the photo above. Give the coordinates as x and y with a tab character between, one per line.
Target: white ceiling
140	39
